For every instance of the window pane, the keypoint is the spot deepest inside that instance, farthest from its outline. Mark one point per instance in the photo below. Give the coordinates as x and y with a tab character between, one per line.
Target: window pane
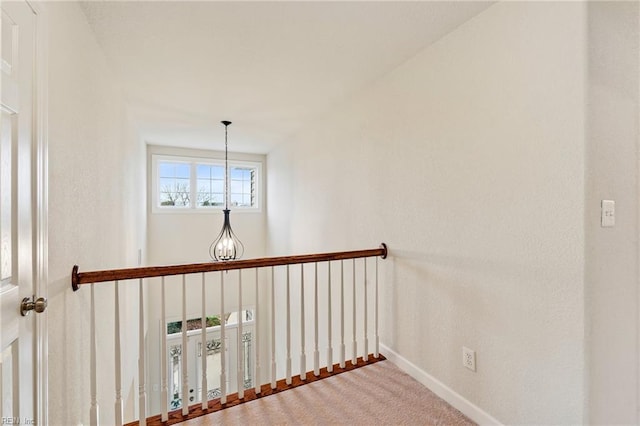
174	192
236	186
210	171
242	186
174	187
179	170
210	181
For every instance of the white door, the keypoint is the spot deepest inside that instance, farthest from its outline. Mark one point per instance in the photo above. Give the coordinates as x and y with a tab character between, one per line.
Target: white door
18	213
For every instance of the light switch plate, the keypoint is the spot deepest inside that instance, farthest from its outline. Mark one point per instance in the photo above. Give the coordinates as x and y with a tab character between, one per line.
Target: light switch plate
608	215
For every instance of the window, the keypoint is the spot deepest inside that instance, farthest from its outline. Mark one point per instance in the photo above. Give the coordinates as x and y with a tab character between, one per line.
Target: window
175	184
188	183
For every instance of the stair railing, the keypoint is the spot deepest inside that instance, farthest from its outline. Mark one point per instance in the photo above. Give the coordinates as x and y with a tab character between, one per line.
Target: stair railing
359	293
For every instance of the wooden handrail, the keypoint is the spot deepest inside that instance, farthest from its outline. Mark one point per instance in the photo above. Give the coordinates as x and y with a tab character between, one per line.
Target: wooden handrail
79	278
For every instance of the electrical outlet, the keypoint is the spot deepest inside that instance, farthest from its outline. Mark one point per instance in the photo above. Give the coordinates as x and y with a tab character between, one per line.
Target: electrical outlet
469	358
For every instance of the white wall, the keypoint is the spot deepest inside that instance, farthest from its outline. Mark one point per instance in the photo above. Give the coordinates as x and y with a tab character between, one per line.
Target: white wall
468	161
96	212
176	237
611	284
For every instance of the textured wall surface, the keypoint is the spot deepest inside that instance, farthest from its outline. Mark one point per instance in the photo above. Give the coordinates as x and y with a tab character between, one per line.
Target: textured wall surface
468	160
611	273
96	212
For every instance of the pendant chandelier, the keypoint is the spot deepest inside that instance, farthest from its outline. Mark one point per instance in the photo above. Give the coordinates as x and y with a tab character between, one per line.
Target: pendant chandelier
226	246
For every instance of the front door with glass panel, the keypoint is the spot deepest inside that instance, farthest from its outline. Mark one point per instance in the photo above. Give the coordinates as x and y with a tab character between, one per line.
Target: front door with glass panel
213	353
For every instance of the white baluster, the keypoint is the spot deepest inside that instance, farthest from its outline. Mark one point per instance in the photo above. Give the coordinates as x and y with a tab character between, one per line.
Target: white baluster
223	362
342	346
240	351
163	360
142	388
376	349
330	348
303	356
256	334
273	330
119	411
354	350
183	358
204	396
316	351
94	409
365	353
288	376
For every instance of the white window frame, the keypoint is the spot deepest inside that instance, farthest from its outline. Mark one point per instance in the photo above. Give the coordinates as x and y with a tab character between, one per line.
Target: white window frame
193	207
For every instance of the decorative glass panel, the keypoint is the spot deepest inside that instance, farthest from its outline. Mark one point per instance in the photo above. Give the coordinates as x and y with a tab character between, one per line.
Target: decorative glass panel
175	376
247	358
214	354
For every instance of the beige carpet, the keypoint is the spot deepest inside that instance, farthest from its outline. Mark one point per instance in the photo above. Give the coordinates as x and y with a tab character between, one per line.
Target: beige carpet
376	394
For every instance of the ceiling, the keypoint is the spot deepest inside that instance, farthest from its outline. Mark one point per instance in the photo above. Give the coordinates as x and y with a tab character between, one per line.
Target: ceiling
267	66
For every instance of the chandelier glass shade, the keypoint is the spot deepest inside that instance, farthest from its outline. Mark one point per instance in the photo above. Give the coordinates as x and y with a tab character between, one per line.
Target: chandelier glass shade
226	246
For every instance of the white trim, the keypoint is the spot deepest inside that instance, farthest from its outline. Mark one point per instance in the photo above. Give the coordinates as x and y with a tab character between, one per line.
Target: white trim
41	214
637	346
456	400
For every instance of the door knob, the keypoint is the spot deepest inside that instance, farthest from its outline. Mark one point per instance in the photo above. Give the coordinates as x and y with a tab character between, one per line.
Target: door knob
32	304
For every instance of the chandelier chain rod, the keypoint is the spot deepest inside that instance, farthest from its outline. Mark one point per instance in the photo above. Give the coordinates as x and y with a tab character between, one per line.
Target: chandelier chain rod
226	170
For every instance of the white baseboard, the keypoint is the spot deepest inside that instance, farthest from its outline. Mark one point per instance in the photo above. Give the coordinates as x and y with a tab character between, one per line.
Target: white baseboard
456	400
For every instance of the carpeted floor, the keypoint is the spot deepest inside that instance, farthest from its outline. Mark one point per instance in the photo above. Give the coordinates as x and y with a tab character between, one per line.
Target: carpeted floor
375	394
